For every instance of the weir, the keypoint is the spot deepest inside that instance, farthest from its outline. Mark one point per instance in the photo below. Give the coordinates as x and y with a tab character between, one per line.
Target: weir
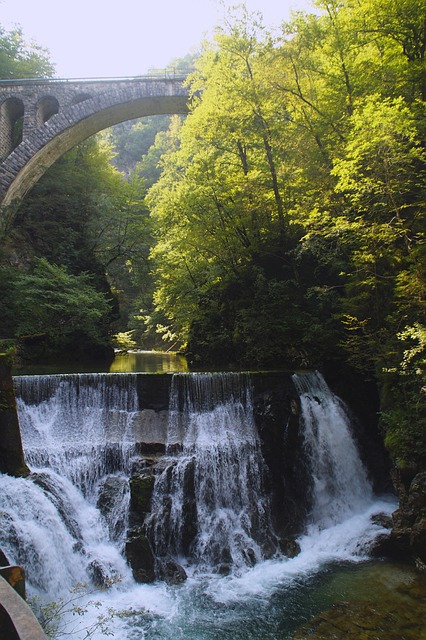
209	502
141	476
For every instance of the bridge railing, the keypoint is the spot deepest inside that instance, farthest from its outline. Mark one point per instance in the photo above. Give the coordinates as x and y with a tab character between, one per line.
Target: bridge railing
17	621
156	74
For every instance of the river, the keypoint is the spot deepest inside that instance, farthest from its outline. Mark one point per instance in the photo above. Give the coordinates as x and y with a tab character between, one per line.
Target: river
75	434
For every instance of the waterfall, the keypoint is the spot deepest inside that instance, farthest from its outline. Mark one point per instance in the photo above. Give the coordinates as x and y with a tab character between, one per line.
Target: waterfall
209	503
79	425
339	480
67	523
48	527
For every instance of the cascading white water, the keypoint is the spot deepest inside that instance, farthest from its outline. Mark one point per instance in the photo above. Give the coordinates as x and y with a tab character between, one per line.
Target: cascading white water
340	483
77	435
209	504
79	425
48	527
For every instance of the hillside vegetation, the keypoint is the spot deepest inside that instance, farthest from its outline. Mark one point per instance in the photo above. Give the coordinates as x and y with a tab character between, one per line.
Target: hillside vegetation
281	223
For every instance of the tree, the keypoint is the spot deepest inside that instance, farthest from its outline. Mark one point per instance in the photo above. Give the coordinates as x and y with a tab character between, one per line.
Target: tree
64	308
218	204
20	59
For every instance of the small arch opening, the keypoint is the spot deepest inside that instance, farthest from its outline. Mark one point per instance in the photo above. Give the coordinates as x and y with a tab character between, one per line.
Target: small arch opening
46	108
11	125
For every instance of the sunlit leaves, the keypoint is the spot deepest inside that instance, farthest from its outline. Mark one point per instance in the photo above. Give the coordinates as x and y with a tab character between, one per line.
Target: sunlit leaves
20	58
384	159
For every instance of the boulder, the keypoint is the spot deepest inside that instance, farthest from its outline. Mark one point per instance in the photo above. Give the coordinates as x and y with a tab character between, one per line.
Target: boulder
141	488
139	555
408	537
290	547
171	571
382	520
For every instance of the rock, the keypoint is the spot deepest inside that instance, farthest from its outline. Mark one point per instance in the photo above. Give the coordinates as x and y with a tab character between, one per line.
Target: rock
417	492
139	555
98	574
171	571
418	541
223	569
4	562
290	547
250	556
382	520
384	546
141	488
11	452
108	490
112	493
408	537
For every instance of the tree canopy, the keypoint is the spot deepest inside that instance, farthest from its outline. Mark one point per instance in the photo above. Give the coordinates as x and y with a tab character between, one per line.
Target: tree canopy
20	59
280	224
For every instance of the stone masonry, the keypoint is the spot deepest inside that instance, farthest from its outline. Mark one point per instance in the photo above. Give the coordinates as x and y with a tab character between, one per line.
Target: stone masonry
58	114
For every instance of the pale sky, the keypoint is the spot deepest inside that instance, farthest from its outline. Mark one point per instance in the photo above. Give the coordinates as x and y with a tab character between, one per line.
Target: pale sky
116	38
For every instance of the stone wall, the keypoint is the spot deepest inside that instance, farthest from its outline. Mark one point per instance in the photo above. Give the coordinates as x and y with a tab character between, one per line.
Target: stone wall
11	454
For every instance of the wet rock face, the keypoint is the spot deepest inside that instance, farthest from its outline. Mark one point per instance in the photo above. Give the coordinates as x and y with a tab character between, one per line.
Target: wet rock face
107	492
408	538
171	571
141	488
276	414
137	548
11	453
139	555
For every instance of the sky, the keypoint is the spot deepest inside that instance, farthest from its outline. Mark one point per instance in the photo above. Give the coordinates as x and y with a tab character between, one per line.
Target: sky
117	38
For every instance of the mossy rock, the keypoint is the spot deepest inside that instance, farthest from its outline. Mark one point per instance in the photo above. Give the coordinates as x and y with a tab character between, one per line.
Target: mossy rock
141	488
139	556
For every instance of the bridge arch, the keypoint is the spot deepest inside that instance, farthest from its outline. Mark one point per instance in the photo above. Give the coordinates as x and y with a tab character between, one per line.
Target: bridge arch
11	119
47	107
55	129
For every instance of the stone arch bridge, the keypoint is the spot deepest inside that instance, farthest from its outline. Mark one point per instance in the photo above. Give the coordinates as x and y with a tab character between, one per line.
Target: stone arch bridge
41	119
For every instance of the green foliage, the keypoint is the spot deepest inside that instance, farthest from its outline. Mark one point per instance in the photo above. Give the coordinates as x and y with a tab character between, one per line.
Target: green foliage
21	59
62	306
78	214
404	400
84	216
124	340
289	215
132	139
64	617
